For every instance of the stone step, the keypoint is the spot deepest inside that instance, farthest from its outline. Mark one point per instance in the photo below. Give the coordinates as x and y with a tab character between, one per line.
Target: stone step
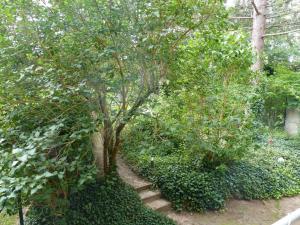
159	205
142	187
148	195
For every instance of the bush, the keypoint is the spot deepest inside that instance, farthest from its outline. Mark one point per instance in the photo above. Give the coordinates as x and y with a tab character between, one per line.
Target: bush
103	203
192	190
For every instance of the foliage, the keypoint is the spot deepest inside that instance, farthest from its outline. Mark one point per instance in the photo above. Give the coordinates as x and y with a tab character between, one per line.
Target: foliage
45	118
248	181
200	126
280	90
204	111
45	128
7	220
110	202
70	68
271	179
188	184
216	115
191	190
283	51
45	141
64	61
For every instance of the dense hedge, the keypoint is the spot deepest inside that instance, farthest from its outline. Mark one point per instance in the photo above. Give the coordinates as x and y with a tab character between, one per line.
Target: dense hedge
189	185
107	203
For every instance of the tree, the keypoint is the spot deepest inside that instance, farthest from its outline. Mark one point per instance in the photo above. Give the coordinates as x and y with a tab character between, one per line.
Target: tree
275	41
269	21
258	32
71	70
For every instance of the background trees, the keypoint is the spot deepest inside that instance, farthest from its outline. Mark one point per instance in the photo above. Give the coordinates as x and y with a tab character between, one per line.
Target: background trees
278	39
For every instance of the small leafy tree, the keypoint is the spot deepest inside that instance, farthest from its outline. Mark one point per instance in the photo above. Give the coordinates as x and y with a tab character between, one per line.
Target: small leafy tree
70	68
215	86
205	113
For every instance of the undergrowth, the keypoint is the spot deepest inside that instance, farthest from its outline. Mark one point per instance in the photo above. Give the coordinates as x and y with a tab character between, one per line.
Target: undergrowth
188	184
102	203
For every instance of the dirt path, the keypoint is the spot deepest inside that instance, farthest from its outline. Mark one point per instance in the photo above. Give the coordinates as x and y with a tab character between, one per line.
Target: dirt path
237	212
240	212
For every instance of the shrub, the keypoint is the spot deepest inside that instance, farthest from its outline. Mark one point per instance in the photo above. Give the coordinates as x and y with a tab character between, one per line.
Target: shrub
192	190
101	203
45	158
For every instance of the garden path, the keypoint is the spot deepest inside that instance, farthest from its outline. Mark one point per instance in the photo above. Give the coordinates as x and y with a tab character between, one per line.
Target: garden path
151	198
240	212
236	212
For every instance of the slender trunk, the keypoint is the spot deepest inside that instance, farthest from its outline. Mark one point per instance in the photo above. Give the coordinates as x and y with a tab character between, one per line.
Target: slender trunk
106	144
109	140
98	152
116	147
258	32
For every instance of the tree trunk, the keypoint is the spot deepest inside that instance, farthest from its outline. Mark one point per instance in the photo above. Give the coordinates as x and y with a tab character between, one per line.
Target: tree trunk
98	152
258	32
106	146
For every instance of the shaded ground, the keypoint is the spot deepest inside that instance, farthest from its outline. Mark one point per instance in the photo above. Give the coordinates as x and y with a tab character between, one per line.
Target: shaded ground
240	212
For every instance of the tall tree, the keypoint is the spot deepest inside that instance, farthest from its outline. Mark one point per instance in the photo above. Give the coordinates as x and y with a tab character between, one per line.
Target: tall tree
275	39
258	32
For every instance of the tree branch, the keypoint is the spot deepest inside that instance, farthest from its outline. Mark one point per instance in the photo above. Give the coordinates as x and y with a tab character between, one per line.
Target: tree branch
281	33
126	119
103	108
185	33
290	25
255	7
282	13
241	17
123	91
140	100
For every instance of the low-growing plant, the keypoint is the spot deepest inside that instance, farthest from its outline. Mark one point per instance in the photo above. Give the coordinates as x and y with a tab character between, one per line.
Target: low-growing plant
100	203
190	185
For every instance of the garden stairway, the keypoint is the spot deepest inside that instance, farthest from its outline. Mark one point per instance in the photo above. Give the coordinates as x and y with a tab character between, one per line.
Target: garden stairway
151	198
